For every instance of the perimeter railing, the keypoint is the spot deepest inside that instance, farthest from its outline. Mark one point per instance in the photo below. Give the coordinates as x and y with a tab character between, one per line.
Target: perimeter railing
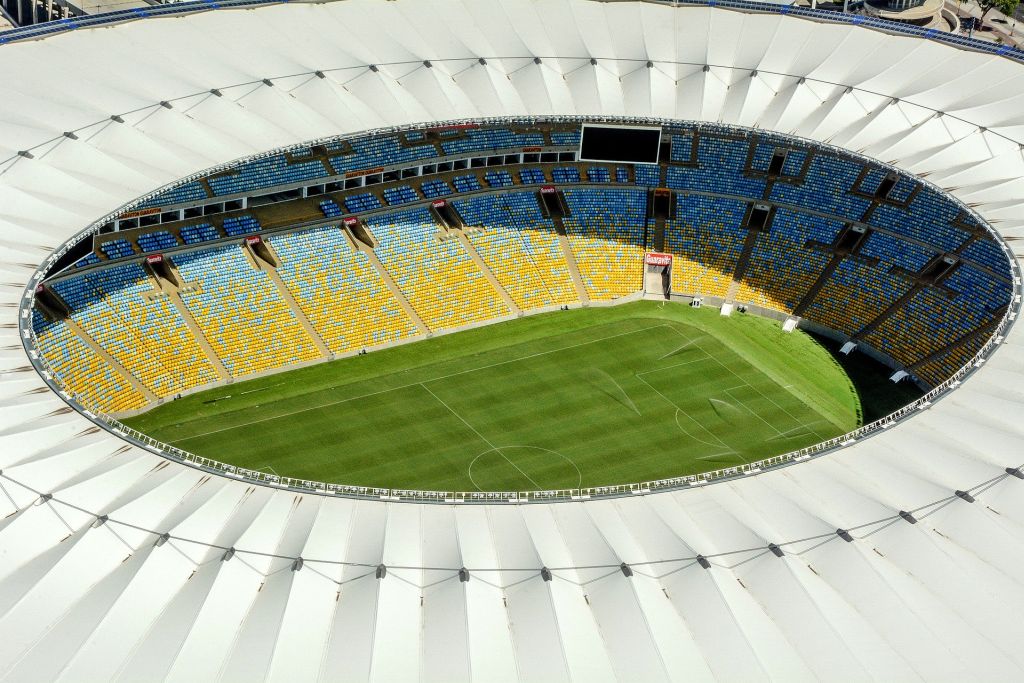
554	495
113	425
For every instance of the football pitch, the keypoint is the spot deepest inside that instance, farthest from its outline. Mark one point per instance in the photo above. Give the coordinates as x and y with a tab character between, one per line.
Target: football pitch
566	399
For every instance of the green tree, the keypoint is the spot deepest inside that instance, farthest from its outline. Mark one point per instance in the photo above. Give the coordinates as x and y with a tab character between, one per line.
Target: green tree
1007	7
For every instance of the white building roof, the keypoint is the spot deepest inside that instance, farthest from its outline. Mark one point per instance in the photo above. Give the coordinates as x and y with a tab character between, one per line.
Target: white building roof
86	599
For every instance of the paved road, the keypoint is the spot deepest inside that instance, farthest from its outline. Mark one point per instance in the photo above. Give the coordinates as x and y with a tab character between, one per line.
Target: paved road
1010	30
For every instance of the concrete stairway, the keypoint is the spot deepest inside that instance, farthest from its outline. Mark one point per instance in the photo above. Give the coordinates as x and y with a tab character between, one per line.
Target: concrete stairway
741	266
822	280
890	311
985	330
734	289
162	287
288	299
570	260
486	270
77	330
392	286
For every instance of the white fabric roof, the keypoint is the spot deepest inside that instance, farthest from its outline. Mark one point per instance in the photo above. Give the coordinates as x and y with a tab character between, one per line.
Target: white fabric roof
81	601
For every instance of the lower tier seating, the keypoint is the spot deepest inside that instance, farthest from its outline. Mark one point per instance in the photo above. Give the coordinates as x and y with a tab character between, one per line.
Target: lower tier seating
855	295
931	320
240	311
945	364
782	267
706	239
521	248
606	230
140	328
81	371
439	278
339	291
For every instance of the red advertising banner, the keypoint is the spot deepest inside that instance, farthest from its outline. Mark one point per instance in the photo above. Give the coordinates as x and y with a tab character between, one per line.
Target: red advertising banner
351	220
253	239
155	258
655	259
532	149
438	203
364	171
140	212
547	189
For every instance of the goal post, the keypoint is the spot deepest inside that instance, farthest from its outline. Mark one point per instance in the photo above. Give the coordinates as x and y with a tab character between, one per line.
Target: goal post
658	274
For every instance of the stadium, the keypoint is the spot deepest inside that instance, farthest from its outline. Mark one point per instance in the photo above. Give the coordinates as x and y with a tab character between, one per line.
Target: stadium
527	340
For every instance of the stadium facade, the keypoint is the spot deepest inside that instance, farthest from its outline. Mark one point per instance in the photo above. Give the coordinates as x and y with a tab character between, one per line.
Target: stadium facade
895	557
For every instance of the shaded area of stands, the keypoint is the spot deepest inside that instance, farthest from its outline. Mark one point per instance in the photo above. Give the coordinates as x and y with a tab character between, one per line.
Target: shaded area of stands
751	217
878	396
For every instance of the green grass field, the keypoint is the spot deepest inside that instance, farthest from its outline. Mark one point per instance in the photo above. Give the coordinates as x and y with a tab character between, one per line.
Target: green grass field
559	400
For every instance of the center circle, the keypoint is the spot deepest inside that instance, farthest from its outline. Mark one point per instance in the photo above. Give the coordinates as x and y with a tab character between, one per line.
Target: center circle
533	469
433	291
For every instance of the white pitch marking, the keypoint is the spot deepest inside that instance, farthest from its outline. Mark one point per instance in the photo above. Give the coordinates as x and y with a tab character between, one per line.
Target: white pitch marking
411	384
579	474
482	437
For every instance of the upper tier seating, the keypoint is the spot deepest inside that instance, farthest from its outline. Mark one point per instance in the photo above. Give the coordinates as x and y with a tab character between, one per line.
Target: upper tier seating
765	151
987	253
330	208
189	192
339	291
489	139
532	176
466	183
81	371
647	174
926	220
567	174
240	225
361	202
115	249
402	194
140	328
369	153
156	241
606	230
521	248
682	148
433	189
721	165
826	188
900	192
264	172
569	138
438	277
241	312
202	232
87	260
894	252
498	179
